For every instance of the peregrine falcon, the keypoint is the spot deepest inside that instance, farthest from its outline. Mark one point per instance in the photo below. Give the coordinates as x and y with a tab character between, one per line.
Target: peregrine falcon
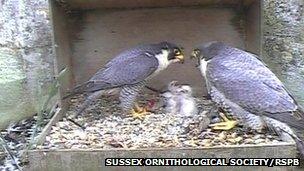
129	72
243	86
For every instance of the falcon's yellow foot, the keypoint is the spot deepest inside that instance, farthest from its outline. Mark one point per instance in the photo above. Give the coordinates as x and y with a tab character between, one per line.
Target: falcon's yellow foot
225	125
139	112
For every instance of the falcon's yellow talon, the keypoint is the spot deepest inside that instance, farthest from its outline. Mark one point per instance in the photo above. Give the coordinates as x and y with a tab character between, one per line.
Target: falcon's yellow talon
138	112
226	125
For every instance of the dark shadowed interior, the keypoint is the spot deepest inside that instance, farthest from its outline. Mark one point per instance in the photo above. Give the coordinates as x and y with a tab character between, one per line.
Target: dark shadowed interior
90	33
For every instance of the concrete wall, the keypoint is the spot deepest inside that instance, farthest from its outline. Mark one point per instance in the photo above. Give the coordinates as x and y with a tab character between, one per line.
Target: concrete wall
283	43
26	61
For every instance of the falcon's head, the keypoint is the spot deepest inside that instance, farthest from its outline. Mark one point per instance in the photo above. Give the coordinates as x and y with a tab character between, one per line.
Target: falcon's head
207	51
185	90
171	52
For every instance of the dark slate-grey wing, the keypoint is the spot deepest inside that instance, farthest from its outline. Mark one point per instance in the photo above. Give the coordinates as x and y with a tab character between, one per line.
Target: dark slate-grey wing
113	75
126	71
247	82
132	53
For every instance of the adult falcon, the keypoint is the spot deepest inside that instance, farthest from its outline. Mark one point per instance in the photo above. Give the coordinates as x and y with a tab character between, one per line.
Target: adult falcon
242	85
129	72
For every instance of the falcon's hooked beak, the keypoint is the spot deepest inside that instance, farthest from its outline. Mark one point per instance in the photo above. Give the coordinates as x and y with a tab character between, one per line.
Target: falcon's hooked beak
179	55
180	58
196	55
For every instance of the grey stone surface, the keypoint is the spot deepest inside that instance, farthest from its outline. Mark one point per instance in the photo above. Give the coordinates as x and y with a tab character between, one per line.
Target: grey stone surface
283	47
26	60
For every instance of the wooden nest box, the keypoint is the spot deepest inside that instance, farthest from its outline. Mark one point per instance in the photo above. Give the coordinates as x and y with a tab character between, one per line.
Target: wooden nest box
89	33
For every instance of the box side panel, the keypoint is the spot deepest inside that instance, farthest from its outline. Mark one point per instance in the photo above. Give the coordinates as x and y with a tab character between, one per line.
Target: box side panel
62	47
253	28
93	4
106	33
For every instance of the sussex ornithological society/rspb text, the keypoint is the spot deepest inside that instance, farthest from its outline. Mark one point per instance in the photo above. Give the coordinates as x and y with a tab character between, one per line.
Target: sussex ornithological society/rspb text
270	162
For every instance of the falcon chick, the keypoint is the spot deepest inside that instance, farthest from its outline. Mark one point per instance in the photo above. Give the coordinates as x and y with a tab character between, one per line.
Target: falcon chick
129	72
169	102
185	102
242	85
169	98
179	100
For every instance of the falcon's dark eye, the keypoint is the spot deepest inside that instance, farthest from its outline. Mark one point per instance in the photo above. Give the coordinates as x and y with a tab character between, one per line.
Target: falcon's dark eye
177	52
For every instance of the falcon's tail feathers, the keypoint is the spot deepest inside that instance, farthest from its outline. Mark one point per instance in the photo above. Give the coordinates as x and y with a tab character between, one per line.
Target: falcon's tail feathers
77	90
295	120
299	112
88	101
300	146
89	87
300	143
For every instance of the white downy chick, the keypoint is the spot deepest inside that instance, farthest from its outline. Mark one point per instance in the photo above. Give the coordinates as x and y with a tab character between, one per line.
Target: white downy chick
186	105
169	101
179	100
169	98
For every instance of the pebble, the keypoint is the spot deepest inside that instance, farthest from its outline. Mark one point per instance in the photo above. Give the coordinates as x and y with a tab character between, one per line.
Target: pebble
234	135
258	136
259	141
206	141
248	141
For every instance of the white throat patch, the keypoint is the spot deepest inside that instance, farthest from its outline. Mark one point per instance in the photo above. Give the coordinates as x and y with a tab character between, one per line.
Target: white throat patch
203	67
163	61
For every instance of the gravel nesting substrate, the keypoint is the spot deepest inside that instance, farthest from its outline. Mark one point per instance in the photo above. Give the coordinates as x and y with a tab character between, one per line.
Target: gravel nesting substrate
17	136
106	127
